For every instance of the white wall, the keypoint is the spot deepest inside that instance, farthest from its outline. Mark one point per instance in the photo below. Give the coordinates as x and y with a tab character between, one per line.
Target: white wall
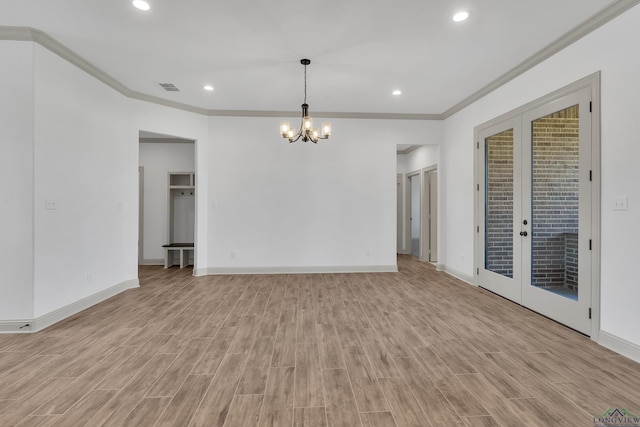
281	205
85	159
611	50
158	159
69	138
423	157
16	174
401	163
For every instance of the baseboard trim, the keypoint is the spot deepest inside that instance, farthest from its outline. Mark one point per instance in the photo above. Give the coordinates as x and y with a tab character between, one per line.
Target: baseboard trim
441	267
46	320
620	345
458	274
55	316
16	326
212	271
152	261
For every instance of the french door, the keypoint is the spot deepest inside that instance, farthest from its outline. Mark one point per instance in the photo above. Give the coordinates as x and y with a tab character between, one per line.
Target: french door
534	208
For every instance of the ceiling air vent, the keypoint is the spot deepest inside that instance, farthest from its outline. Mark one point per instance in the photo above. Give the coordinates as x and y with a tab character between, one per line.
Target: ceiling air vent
170	87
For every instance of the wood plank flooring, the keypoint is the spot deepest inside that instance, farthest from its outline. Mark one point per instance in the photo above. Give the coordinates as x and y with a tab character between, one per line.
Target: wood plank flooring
414	348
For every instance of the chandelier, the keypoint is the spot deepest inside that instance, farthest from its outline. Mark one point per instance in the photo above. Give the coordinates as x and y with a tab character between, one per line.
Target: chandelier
307	132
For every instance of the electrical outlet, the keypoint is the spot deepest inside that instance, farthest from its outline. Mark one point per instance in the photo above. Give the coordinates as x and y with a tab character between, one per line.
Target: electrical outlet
234	254
89	277
367	253
51	204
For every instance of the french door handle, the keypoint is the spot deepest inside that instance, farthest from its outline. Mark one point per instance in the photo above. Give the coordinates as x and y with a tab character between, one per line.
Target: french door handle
523	233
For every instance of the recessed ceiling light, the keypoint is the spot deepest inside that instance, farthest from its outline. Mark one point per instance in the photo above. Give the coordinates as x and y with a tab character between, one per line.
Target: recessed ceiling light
461	15
396	92
208	87
141	4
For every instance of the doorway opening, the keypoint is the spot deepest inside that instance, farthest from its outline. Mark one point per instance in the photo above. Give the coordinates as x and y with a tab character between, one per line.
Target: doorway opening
167	200
422	213
417	201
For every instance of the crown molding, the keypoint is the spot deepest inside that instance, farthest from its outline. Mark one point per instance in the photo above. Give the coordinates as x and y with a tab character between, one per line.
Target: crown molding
48	42
16	33
605	15
324	114
596	21
166	102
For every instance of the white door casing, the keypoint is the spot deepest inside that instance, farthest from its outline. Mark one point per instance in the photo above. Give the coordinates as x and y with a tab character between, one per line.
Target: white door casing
515	283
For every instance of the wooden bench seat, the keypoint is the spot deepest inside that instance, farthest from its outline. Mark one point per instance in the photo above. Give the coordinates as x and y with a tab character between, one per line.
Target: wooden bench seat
183	249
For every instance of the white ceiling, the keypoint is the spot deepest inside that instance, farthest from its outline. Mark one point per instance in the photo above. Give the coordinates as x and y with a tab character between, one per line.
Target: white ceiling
361	50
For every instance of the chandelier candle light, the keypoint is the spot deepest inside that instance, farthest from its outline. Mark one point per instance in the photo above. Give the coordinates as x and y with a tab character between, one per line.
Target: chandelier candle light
307	132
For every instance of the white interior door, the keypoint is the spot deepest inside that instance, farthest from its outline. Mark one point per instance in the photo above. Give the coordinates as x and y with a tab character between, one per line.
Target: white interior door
535	205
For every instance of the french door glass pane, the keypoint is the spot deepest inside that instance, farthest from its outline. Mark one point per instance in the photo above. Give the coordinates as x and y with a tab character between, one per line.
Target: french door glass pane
499	203
555	186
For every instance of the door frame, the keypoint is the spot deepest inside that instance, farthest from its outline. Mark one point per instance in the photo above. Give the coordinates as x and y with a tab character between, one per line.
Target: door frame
163	138
400	234
407	217
425	226
140	215
593	83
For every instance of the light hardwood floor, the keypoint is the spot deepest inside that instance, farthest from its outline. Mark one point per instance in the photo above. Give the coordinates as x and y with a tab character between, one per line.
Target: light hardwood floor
414	348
